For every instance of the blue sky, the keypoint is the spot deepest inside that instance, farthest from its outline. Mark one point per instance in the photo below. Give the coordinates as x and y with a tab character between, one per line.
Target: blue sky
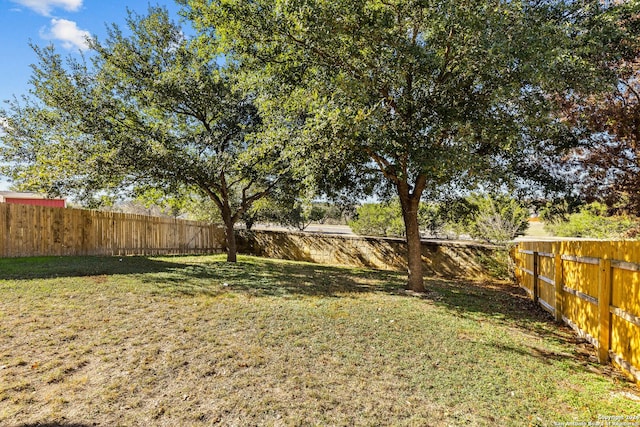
61	22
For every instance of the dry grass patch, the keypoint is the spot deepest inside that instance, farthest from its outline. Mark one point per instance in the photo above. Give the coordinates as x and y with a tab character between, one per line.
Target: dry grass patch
196	341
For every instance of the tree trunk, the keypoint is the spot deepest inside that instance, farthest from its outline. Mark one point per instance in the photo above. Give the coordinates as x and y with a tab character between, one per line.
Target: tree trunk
230	236
231	243
410	206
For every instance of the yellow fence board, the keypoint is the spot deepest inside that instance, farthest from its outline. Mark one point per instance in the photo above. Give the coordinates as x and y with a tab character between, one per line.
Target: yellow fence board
584	266
626	290
625	340
546	267
547	293
581	277
582	313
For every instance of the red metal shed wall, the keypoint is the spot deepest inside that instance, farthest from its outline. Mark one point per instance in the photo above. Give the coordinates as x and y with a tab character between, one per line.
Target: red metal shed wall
53	203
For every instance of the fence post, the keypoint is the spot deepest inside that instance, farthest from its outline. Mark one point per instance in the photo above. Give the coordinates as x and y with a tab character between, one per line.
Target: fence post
535	276
604	301
515	262
557	279
4	230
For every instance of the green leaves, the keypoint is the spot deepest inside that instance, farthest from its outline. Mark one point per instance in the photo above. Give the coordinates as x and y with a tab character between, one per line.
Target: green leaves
442	84
152	109
374	219
425	96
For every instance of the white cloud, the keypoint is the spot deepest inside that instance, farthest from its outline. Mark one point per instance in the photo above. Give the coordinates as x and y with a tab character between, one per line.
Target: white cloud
68	33
4	126
44	7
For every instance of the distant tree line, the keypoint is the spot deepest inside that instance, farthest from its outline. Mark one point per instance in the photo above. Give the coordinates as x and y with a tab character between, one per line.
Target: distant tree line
490	218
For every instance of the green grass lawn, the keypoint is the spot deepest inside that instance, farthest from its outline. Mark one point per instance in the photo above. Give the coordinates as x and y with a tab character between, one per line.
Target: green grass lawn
536	229
172	341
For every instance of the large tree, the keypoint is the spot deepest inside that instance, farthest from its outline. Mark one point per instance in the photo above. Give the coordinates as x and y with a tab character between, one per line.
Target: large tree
609	166
427	95
148	110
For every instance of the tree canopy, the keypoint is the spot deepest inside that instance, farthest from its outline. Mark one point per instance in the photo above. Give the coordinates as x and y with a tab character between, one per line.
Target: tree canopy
609	165
407	98
428	96
148	110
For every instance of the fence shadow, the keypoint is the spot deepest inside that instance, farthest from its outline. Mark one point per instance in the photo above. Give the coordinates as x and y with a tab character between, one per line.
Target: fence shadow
508	303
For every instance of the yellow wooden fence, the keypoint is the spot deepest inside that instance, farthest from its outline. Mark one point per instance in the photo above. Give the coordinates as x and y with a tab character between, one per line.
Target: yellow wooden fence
594	287
40	231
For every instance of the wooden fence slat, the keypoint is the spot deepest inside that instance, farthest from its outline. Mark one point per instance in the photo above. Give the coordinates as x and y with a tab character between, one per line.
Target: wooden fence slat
536	267
557	280
629	266
546	280
580	295
4	223
41	231
626	316
581	259
604	301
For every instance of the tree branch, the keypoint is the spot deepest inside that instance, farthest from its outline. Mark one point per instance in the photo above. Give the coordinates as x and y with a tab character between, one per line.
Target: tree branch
385	167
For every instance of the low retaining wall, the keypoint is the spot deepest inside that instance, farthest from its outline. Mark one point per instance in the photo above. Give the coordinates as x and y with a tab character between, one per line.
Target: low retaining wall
440	258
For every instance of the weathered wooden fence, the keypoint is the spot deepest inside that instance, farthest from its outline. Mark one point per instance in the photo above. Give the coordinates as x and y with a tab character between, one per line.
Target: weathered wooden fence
40	231
592	286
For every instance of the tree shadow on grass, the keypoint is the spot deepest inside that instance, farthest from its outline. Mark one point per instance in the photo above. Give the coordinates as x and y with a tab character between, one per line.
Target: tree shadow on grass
511	305
212	276
501	302
581	358
269	278
80	266
493	299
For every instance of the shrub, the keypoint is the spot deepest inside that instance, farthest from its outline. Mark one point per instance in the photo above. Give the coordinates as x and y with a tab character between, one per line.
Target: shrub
591	221
492	218
378	219
431	218
498	219
498	263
